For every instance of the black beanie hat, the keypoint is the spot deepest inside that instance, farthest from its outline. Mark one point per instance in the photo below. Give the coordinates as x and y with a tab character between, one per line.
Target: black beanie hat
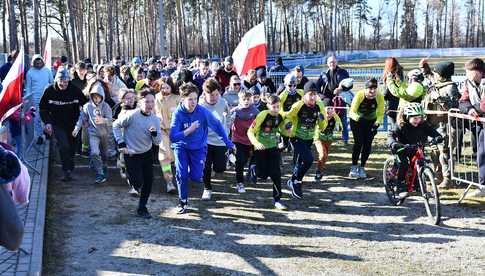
371	83
261	73
445	69
310	86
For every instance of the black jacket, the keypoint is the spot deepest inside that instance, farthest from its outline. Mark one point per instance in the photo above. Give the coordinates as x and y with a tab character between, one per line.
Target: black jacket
270	84
327	86
61	108
410	135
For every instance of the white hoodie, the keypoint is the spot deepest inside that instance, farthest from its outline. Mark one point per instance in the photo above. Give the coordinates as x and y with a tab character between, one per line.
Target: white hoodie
37	80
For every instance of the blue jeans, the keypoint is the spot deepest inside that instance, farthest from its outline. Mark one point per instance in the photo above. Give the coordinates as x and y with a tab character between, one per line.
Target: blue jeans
304	157
345	127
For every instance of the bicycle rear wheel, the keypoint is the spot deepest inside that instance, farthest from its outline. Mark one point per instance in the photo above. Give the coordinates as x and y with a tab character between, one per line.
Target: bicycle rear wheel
389	178
430	194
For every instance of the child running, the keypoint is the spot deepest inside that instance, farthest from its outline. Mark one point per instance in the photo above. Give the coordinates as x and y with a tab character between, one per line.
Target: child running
188	134
324	139
136	132
264	134
166	102
127	103
366	114
216	148
97	115
288	97
404	138
305	116
245	114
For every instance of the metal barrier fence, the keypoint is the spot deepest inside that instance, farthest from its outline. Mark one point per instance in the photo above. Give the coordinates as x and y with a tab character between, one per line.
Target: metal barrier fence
463	162
359	75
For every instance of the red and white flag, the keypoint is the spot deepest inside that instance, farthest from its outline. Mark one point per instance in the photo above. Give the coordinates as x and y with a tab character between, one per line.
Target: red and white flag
11	95
48	53
251	51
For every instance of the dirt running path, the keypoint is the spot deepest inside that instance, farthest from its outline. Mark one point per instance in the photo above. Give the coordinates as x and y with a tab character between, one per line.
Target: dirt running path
341	227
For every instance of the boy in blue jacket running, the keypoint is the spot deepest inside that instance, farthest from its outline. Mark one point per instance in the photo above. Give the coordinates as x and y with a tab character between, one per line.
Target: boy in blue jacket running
188	134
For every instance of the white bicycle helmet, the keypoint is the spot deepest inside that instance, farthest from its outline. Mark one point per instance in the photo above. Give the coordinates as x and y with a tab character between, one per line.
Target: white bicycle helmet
290	79
347	84
413	109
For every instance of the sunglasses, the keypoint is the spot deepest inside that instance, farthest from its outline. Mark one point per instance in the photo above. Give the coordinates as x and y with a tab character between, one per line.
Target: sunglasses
292	85
237	83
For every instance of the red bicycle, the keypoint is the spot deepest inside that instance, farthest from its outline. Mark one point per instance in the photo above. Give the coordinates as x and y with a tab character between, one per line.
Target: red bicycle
419	181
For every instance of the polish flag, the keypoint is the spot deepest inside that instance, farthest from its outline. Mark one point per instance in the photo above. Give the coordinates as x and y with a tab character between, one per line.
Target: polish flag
251	51
48	53
11	95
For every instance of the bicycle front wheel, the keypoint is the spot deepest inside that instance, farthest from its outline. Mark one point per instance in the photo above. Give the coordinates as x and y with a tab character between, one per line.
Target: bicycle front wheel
389	178
430	194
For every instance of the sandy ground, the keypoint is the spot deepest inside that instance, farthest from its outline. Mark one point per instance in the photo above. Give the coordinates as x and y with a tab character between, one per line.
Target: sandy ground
341	227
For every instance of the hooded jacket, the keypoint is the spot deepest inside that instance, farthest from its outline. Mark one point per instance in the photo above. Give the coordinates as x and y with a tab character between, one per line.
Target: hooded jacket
37	80
91	110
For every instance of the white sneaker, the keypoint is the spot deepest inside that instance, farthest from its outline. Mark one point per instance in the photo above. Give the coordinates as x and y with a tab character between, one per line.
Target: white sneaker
478	193
170	187
354	172
133	192
278	205
362	173
207	194
240	188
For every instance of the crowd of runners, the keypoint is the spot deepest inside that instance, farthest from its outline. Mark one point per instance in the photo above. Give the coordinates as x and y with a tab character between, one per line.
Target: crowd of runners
196	118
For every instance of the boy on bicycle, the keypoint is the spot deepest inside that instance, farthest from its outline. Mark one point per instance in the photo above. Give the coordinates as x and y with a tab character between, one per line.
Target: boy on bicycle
403	140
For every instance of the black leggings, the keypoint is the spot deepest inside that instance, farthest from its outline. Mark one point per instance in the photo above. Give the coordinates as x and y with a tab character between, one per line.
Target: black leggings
363	137
268	164
140	173
215	160
243	152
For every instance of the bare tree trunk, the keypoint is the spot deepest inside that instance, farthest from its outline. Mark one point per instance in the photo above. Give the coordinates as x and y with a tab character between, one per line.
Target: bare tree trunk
79	8
36	27
23	26
180	40
89	34
4	24
162	28
482	23
445	24
147	36
110	30
72	24
225	26
46	21
209	44
452	23
96	27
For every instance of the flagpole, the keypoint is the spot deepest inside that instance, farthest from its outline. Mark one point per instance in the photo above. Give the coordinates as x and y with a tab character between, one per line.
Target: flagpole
23	131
